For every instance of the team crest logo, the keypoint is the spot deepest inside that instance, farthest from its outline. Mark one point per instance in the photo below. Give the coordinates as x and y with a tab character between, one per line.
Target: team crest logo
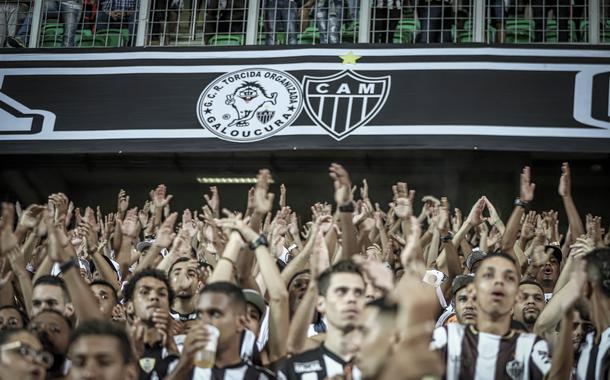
514	369
147	364
342	102
250	105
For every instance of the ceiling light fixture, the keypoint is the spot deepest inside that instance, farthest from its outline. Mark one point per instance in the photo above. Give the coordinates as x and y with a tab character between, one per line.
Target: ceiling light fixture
229	180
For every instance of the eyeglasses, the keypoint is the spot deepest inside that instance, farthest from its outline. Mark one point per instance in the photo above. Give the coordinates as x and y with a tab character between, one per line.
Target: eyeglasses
42	357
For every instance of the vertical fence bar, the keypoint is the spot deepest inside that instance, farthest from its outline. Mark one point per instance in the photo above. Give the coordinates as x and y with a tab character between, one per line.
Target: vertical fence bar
364	21
36	22
252	22
478	11
143	13
594	21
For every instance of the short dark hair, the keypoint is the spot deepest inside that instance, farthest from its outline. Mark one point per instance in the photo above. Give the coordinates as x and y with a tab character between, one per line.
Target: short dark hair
531	282
598	268
53	281
105	328
53	311
24	317
6	335
179	260
343	266
503	255
234	292
130	287
106	284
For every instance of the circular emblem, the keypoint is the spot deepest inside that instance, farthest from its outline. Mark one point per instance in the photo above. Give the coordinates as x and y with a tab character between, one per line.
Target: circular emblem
250	105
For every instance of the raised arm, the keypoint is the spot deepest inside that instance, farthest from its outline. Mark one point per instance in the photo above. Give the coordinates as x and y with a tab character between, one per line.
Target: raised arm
565	191
526	195
345	204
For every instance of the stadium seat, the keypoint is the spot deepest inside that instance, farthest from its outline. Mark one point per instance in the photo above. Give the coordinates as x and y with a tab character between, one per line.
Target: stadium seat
52	34
519	30
227	40
109	38
309	36
406	31
349	32
84	38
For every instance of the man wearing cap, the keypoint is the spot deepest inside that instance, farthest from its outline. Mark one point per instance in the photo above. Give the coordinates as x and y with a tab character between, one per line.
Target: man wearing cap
530	303
255	310
464	300
474	260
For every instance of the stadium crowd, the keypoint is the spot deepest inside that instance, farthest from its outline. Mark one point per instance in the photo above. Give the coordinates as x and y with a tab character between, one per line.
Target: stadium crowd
356	290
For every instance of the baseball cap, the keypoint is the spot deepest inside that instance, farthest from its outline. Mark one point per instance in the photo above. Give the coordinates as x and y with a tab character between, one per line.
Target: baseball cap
255	298
460	282
476	255
556	251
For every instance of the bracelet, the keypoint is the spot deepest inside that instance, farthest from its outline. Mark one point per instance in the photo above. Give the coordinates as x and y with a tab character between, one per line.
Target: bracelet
64	267
521	203
347	208
229	260
447	238
261	240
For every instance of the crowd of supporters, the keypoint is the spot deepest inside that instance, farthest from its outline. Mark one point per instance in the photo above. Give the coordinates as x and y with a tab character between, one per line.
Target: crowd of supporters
354	290
300	21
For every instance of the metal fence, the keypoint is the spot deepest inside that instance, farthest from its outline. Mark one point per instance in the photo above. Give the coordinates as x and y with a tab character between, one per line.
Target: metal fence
121	23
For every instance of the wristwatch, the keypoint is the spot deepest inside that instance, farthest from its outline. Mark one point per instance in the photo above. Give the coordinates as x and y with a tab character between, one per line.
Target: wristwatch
521	203
347	207
261	240
64	267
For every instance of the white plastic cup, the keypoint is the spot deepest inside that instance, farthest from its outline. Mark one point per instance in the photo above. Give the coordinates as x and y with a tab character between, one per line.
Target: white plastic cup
205	358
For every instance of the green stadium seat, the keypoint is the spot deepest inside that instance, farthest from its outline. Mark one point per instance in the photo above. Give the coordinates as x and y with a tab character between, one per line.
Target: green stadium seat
406	31
349	32
519	30
84	38
227	40
309	36
109	38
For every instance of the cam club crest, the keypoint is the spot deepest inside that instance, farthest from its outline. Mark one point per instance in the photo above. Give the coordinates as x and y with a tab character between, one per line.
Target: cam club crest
342	102
250	105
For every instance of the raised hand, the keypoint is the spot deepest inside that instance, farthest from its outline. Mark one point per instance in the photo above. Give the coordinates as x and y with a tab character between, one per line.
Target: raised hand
213	201
342	183
410	252
528	226
494	217
160	197
282	195
122	203
456	220
31	216
165	233
263	201
129	226
475	217
565	181
403	200
526	188
60	204
188	224
8	240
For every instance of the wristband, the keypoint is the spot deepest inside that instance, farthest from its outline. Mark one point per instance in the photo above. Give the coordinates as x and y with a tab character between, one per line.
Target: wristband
261	240
447	238
521	203
64	267
347	208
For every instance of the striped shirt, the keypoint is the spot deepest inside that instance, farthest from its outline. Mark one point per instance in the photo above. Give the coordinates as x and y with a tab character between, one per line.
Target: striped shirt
316	364
594	359
475	355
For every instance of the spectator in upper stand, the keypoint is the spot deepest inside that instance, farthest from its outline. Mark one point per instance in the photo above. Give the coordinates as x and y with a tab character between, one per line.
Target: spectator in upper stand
69	12
117	14
281	14
224	17
329	17
432	14
386	17
11	11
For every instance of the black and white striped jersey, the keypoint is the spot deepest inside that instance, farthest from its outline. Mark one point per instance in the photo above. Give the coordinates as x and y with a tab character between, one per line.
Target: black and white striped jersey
474	355
316	364
594	359
241	371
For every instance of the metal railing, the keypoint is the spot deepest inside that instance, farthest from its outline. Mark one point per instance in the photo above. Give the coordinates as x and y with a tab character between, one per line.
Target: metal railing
120	23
